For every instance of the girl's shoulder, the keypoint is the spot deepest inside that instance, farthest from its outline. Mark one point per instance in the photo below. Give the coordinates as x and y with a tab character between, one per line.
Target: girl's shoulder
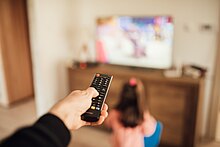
154	139
149	124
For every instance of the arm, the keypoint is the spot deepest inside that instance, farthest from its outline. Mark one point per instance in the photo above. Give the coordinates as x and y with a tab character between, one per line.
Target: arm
149	124
48	131
53	129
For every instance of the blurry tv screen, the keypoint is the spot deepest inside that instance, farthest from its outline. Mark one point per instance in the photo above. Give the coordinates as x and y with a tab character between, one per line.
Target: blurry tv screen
135	41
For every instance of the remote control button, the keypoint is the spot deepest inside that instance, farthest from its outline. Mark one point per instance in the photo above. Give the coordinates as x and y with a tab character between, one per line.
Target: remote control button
93	107
100	97
97	108
103	89
101	93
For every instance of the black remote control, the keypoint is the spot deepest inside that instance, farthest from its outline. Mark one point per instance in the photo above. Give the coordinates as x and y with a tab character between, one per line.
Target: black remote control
101	83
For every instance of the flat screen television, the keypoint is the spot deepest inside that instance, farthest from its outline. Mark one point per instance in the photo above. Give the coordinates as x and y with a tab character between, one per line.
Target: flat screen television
135	41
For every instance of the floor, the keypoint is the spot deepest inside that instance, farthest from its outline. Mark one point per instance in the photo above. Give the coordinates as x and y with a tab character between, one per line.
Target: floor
21	114
24	114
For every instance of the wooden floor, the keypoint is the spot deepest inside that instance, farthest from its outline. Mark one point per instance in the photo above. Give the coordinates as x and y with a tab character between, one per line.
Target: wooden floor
19	115
24	114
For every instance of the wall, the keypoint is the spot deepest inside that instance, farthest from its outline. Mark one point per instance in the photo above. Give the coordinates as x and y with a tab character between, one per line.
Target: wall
217	135
58	30
49	23
191	43
215	105
3	91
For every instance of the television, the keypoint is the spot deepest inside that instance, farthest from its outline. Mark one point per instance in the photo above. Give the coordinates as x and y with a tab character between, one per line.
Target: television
135	41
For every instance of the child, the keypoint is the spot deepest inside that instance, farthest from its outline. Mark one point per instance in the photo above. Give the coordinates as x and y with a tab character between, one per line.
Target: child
133	126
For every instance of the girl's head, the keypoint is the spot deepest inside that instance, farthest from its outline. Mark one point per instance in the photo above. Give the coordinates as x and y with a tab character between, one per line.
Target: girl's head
131	103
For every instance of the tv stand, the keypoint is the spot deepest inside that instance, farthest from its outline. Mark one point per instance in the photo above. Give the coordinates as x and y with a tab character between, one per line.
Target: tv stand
176	102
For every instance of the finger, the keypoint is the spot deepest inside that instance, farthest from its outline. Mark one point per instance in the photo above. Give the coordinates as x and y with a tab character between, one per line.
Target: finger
105	107
88	124
83	123
103	116
81	93
104	113
92	92
99	122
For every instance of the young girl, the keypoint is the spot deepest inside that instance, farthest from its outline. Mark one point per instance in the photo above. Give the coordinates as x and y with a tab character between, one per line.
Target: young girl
132	125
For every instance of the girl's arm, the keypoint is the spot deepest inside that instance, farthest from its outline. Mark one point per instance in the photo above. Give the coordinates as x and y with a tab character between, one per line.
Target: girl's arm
149	124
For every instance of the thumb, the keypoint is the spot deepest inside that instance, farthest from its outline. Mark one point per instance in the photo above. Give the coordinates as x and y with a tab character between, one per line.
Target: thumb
92	92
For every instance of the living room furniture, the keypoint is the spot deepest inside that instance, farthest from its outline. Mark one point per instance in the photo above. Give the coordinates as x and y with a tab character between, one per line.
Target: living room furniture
176	102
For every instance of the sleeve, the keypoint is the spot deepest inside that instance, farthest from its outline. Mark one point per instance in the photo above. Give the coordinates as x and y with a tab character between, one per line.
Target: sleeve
48	131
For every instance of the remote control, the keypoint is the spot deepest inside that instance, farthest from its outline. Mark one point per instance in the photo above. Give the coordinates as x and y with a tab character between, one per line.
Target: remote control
101	83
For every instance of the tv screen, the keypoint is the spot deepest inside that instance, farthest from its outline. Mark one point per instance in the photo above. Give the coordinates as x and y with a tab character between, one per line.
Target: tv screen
135	41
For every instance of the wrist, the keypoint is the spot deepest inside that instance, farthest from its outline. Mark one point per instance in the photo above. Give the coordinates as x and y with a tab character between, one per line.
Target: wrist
61	115
69	119
53	124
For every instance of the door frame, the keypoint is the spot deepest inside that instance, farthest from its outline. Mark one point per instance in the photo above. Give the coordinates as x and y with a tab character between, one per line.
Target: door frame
15	51
215	97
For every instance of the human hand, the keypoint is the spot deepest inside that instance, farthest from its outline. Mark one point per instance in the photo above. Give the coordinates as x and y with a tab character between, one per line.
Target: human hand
70	109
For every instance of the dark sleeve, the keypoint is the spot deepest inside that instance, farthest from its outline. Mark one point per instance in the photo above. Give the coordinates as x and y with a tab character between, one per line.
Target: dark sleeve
48	131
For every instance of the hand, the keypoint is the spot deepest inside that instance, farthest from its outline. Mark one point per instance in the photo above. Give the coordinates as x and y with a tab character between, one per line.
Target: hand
70	109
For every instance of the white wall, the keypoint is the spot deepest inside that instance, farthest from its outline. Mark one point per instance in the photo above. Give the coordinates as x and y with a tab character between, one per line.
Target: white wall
191	44
3	91
49	24
217	135
57	26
